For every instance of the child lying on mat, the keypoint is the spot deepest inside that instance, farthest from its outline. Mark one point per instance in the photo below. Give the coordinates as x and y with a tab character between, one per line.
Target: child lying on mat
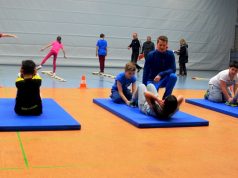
120	92
28	100
220	85
149	103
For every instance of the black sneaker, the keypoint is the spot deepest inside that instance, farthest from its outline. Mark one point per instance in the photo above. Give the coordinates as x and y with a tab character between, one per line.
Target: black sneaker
232	104
133	104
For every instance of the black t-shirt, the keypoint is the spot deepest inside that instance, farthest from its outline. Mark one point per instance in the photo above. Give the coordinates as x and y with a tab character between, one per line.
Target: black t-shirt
135	45
183	54
28	100
147	47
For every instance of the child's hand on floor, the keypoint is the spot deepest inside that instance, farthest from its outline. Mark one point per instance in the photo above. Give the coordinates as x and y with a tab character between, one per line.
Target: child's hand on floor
133	104
230	100
128	103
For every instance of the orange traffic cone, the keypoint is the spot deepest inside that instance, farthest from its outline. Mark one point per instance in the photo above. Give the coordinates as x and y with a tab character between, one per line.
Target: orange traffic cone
83	82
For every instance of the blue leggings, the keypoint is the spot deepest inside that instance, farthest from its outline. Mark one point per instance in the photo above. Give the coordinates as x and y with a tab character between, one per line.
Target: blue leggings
167	82
115	96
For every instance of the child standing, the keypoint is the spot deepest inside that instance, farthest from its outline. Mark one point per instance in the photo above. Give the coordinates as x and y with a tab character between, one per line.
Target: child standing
219	86
120	92
56	46
135	46
101	52
28	100
183	57
149	103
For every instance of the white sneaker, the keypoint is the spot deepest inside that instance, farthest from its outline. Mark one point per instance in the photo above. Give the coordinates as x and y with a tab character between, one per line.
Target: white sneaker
39	67
53	75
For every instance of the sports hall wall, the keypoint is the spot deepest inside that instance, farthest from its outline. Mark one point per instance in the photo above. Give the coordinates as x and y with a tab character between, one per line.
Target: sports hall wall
207	25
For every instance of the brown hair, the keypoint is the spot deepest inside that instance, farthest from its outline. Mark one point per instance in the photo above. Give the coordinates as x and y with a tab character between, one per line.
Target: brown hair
130	67
28	67
162	38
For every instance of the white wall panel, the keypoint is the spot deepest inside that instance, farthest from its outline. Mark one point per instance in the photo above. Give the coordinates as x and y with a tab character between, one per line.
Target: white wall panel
207	25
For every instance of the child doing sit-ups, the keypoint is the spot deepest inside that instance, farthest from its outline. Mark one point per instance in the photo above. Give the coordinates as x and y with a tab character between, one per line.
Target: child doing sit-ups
149	103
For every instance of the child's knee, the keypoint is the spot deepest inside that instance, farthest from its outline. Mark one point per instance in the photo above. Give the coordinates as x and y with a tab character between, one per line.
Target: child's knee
215	98
141	89
116	98
151	88
141	85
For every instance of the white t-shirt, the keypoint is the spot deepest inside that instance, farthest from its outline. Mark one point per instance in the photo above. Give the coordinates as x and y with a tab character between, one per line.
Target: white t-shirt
224	76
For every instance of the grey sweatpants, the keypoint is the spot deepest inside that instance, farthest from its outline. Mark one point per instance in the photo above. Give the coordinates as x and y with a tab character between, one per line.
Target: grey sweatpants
215	94
139	96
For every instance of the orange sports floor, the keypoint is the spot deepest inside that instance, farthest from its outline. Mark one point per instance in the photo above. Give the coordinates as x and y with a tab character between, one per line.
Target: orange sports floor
107	146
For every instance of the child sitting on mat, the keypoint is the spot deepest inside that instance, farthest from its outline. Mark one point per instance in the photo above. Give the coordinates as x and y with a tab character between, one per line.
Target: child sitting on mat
28	100
149	103
220	85
120	92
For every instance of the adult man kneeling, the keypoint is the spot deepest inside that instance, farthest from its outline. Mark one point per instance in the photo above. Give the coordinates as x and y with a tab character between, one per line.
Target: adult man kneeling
160	67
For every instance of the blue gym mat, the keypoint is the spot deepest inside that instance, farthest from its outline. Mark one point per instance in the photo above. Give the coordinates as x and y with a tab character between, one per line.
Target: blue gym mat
54	117
219	107
140	120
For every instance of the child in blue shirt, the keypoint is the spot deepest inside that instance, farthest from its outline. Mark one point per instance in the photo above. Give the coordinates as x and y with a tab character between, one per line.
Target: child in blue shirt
120	92
101	52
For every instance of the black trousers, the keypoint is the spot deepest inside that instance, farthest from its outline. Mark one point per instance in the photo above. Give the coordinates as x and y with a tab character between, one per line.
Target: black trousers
134	57
182	69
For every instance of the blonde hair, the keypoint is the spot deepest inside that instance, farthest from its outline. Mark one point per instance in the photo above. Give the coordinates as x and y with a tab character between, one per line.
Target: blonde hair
182	42
130	67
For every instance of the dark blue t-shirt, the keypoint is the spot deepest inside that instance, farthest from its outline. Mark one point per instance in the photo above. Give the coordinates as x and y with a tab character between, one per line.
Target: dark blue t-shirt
102	47
158	63
124	81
